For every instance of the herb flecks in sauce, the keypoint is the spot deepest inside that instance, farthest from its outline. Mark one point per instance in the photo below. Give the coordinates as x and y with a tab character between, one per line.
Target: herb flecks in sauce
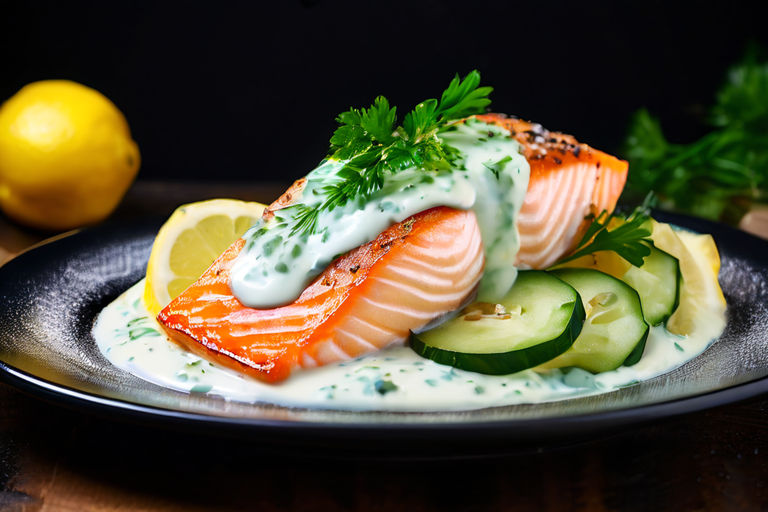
385	386
372	146
271	271
379	173
423	385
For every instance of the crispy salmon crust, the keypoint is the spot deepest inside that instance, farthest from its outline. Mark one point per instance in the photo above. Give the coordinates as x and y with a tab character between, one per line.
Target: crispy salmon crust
569	183
411	273
371	297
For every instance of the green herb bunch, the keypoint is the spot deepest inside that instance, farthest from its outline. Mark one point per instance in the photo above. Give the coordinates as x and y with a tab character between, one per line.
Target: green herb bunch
372	144
720	175
629	239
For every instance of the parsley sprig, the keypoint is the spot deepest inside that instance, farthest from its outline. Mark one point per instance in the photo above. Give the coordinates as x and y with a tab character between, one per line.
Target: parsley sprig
372	144
630	239
720	175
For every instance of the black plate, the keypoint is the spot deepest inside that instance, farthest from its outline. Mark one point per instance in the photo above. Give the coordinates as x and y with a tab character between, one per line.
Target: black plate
50	295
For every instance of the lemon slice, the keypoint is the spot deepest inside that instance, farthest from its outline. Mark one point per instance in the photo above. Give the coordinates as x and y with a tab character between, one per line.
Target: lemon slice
699	265
189	241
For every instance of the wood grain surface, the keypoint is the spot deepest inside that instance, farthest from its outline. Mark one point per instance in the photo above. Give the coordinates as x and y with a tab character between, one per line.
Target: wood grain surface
55	459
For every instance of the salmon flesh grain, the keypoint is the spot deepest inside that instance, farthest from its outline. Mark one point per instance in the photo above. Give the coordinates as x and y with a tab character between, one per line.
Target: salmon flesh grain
413	272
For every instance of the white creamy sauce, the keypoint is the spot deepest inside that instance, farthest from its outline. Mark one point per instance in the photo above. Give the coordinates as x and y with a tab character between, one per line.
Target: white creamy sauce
395	379
490	178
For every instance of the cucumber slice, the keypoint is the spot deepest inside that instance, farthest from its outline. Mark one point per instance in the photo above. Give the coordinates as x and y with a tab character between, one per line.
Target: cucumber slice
614	332
658	284
657	281
537	320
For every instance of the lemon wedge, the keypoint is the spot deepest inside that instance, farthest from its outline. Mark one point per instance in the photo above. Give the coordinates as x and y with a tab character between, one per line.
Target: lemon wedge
699	265
700	293
189	241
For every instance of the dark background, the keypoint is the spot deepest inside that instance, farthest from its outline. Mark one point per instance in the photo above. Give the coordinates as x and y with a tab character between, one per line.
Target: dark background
249	90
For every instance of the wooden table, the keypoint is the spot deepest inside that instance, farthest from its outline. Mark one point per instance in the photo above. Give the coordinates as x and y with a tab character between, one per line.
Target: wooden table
55	459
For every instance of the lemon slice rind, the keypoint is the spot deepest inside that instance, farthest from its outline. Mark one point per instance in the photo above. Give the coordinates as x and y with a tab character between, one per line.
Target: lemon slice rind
699	264
189	241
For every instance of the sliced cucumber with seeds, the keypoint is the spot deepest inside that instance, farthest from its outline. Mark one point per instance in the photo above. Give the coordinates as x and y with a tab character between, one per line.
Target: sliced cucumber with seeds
537	320
658	284
614	332
657	281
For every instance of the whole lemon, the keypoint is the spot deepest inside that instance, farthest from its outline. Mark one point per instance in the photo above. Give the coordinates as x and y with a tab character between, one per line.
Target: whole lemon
66	155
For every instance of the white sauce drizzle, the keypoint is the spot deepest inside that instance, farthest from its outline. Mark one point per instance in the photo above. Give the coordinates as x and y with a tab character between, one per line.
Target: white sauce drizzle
395	379
274	269
491	178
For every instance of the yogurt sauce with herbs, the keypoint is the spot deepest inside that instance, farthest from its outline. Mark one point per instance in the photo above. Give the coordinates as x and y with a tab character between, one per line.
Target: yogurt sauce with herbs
490	177
395	379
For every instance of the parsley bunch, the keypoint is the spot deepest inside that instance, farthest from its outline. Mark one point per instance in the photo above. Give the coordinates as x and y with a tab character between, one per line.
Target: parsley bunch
629	239
720	175
372	144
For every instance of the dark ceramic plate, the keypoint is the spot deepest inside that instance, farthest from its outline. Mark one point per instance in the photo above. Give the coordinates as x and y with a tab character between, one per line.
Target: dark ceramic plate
50	295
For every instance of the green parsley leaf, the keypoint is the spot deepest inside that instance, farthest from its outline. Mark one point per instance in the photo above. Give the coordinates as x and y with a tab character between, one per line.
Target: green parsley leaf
497	167
421	120
379	120
463	98
720	175
629	240
373	146
305	219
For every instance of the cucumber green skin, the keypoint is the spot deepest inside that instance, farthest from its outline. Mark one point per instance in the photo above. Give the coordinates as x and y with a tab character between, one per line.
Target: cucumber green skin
503	363
637	351
658	320
680	283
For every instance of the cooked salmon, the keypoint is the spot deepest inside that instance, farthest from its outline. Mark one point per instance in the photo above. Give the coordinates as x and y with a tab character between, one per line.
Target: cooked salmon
570	182
413	272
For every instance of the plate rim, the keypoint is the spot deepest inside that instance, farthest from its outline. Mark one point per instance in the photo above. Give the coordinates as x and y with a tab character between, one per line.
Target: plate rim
63	395
592	422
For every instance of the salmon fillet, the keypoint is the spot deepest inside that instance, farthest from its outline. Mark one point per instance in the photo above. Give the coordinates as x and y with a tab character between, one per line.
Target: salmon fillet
569	182
411	273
